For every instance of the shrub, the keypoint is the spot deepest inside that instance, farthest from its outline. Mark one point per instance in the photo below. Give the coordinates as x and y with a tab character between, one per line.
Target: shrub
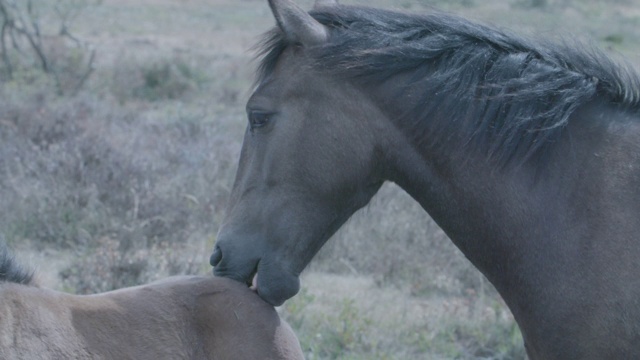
57	53
333	335
115	264
155	79
77	169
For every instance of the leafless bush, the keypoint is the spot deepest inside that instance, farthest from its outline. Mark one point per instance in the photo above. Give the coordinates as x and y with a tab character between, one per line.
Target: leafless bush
127	193
156	79
24	41
77	169
115	264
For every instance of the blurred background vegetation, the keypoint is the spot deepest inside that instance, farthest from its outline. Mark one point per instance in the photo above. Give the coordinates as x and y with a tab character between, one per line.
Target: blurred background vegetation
120	127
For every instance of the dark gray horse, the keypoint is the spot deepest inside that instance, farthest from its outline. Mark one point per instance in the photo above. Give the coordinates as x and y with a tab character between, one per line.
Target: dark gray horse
526	153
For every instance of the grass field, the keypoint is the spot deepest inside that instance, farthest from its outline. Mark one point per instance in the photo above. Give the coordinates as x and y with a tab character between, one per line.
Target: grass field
125	180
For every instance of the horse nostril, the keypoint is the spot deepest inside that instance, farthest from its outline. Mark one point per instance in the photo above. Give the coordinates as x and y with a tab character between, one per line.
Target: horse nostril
216	256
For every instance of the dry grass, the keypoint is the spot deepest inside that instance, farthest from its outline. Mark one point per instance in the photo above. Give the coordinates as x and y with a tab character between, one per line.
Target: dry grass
127	180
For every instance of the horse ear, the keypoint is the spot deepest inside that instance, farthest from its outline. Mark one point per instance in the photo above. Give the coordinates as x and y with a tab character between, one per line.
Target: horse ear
297	24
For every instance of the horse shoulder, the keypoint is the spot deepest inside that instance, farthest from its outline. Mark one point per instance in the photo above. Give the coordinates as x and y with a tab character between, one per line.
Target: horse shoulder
231	319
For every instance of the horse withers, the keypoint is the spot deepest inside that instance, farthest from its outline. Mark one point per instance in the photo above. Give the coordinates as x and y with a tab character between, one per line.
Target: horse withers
185	317
525	152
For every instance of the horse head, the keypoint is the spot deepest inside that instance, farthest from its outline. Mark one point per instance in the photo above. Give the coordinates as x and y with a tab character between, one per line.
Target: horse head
308	161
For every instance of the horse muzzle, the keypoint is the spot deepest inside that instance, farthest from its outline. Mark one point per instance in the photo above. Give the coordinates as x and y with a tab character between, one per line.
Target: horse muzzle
270	280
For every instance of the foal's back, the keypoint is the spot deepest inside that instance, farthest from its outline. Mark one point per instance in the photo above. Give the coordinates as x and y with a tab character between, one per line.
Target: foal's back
187	317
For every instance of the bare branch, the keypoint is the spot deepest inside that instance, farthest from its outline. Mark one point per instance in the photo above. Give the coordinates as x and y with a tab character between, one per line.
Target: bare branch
70	64
87	73
5	53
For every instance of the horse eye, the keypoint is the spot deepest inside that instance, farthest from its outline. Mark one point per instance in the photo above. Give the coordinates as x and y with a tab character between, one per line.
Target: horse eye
258	119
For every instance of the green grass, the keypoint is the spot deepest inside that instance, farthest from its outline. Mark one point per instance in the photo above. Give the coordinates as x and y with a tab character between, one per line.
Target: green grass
373	322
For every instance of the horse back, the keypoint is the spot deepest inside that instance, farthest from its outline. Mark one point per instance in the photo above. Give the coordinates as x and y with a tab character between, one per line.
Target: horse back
188	317
177	318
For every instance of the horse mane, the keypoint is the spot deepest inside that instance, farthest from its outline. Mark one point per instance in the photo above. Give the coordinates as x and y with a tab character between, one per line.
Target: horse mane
12	271
508	94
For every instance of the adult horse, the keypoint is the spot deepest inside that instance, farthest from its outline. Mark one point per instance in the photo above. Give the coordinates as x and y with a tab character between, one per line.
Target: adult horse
188	317
525	153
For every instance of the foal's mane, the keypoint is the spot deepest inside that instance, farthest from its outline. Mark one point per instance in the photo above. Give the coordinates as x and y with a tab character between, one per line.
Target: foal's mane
507	94
10	270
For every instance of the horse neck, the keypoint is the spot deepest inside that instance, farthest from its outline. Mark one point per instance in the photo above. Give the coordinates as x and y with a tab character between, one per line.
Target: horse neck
487	210
536	230
481	207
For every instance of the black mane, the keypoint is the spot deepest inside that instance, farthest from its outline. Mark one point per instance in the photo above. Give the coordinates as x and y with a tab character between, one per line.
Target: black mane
10	270
509	94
